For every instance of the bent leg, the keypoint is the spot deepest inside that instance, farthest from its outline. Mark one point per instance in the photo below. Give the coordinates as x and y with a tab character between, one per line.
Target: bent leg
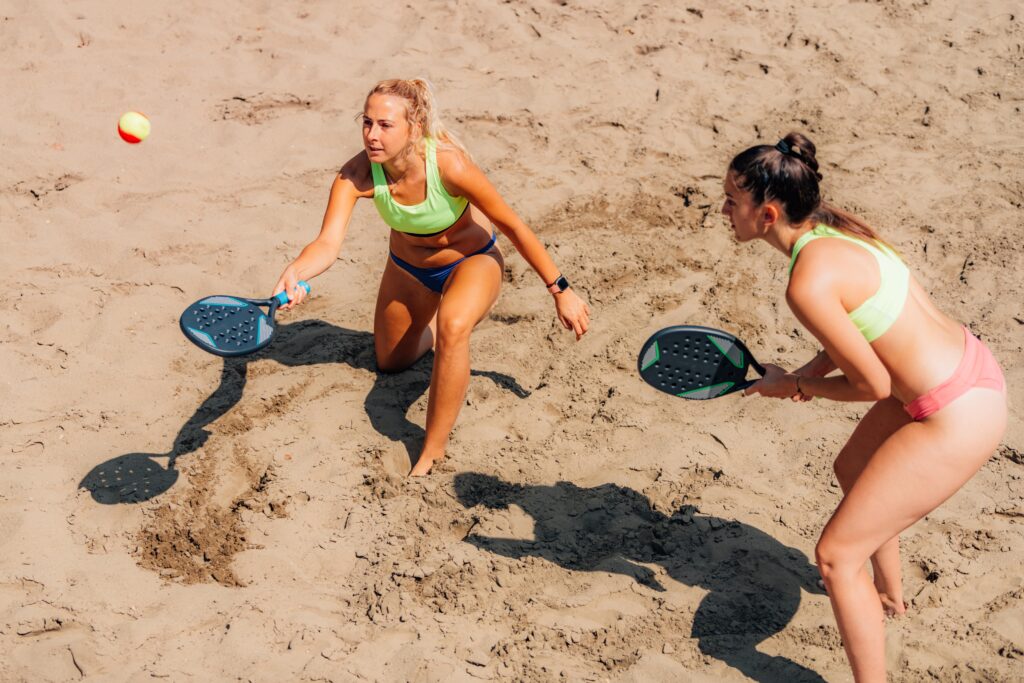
911	473
881	422
401	322
469	293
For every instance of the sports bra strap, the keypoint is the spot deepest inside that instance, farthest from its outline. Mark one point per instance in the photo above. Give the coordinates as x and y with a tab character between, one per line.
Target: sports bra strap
437	212
877	314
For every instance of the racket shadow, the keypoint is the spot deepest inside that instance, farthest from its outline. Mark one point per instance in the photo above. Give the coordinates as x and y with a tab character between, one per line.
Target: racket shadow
138	477
754	582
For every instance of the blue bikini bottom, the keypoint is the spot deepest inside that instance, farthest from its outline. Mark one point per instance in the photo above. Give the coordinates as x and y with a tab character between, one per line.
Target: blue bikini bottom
434	278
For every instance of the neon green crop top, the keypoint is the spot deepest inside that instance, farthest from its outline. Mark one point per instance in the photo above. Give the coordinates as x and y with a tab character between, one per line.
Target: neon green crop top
435	214
876	315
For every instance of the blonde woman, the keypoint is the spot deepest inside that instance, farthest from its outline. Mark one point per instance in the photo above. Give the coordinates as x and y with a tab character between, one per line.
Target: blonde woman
445	269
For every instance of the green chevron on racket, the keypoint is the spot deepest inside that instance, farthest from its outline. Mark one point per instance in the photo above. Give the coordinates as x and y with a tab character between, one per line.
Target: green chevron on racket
696	362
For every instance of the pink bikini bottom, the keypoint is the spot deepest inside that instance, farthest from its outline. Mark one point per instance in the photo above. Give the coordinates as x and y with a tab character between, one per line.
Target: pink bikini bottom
978	368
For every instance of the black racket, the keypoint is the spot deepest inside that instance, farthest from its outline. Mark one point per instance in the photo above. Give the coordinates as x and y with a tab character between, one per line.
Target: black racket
696	362
230	325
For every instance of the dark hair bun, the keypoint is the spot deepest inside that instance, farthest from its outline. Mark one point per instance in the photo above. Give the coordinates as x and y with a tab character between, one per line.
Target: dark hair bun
801	147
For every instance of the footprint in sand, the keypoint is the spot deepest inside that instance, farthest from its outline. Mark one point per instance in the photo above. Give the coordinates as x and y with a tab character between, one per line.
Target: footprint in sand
261	107
39	187
395	461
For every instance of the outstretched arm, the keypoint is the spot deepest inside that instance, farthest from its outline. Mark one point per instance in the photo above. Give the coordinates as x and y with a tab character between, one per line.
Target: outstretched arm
322	252
464	178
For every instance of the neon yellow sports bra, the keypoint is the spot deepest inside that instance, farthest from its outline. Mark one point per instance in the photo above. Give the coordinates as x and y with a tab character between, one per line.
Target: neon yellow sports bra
435	214
876	315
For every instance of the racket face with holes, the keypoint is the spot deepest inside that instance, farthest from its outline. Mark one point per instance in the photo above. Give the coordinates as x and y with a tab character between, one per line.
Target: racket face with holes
696	362
227	325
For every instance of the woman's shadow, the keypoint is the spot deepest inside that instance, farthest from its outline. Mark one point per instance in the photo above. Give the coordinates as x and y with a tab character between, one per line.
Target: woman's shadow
753	581
137	477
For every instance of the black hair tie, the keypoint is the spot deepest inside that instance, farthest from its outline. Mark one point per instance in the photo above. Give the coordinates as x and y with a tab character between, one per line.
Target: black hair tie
790	150
796	153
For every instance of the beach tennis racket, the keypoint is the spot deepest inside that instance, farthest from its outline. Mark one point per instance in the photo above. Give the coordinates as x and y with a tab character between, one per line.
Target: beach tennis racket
696	362
230	325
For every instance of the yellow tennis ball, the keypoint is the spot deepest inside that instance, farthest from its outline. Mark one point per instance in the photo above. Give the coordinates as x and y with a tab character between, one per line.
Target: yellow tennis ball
133	127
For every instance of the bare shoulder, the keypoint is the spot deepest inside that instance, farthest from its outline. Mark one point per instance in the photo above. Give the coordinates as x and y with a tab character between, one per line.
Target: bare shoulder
459	175
829	266
357	172
453	164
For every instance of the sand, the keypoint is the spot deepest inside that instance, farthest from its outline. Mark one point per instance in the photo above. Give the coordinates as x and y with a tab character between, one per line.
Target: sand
169	515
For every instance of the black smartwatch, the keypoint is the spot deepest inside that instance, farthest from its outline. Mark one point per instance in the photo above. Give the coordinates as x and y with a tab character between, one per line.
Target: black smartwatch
559	285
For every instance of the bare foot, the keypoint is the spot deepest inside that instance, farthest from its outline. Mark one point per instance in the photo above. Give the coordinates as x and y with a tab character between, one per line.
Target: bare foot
423	465
892	608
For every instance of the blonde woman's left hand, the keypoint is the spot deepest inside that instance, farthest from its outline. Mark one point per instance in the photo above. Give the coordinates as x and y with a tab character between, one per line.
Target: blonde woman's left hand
573	312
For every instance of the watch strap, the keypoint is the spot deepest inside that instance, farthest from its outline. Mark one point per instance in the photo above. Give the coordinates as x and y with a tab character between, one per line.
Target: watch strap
559	285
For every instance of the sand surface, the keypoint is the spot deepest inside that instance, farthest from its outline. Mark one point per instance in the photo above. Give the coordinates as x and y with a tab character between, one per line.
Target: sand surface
168	515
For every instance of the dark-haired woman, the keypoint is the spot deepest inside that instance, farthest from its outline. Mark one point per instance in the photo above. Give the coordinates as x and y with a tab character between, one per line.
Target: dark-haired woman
939	396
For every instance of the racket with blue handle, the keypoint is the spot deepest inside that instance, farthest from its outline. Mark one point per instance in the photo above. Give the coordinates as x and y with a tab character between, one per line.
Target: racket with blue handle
230	325
696	362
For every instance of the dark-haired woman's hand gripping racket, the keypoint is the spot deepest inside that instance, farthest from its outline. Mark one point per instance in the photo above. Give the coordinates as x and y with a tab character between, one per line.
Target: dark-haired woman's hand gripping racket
696	362
230	325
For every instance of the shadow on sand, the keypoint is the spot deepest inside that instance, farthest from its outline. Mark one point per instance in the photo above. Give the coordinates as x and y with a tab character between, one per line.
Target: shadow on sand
137	477
753	581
